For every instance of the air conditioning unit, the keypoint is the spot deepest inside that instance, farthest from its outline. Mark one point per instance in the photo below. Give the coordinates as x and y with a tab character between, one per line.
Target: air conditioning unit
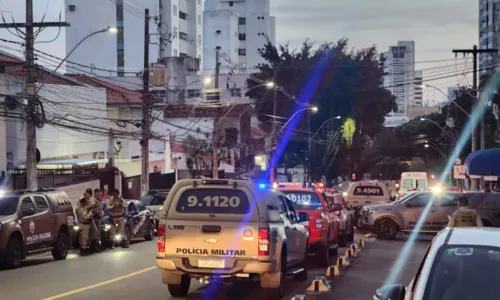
192	64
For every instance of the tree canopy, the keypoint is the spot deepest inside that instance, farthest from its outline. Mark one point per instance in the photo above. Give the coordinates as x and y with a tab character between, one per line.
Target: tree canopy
351	87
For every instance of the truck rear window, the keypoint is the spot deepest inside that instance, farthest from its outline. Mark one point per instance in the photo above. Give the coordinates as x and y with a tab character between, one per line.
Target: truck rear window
214	201
8	206
303	200
368	190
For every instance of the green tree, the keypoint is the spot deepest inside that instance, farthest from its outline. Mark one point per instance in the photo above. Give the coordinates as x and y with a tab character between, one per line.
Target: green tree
351	86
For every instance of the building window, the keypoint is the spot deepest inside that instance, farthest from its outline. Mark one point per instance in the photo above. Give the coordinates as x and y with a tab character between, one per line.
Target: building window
175	32
175	52
236	92
242	20
199	39
212	96
194	93
260	18
175	10
231	3
182	15
183	36
183	55
242	37
242	52
199	20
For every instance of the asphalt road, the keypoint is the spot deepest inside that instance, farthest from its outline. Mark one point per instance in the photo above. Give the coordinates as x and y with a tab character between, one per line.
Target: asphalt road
131	274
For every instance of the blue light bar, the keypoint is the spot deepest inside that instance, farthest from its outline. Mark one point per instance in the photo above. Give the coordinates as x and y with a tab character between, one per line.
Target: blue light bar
262	185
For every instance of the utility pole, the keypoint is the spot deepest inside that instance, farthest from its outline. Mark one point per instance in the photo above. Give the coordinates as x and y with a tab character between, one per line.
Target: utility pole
215	134
111	148
475	51
145	110
274	171
31	160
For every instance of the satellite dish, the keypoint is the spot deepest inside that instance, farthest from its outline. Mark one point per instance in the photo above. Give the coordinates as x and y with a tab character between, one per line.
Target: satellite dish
38	156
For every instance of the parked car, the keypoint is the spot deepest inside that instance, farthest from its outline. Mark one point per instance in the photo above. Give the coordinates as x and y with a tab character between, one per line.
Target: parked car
346	218
226	229
32	222
460	263
323	222
154	200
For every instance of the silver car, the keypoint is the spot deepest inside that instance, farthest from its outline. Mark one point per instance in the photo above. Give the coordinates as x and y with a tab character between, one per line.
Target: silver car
386	220
154	200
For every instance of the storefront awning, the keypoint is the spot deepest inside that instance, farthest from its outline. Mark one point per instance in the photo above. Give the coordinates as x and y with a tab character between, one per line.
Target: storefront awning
483	162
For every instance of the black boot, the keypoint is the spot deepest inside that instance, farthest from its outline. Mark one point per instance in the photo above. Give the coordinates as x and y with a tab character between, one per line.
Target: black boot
97	246
83	251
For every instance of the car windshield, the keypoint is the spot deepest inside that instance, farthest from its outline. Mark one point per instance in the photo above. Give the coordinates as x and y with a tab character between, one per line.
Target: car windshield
153	199
303	200
8	205
464	272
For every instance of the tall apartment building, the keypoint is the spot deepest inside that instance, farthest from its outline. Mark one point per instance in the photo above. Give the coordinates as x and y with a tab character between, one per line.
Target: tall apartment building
400	69
489	33
238	29
418	99
122	52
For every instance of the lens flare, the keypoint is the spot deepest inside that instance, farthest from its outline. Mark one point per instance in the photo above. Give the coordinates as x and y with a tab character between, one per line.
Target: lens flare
477	113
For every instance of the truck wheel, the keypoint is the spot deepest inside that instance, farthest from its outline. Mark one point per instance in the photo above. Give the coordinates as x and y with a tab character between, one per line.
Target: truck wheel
386	229
350	236
180	290
151	233
14	253
342	240
276	293
61	247
323	255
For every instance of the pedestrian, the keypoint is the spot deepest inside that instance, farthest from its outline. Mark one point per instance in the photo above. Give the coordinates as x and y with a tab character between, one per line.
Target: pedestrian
465	216
116	207
85	212
105	196
95	244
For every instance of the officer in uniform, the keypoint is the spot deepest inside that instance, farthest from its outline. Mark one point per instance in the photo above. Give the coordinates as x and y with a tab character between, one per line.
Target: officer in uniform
85	213
116	207
95	244
465	216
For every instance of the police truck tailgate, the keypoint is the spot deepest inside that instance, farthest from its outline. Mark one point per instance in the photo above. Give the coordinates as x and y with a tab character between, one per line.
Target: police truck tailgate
212	226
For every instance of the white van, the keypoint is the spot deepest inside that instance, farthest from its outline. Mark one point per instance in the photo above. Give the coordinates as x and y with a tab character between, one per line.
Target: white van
413	181
363	193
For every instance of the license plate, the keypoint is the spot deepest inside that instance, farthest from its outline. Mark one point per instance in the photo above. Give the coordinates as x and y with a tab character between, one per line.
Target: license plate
211	263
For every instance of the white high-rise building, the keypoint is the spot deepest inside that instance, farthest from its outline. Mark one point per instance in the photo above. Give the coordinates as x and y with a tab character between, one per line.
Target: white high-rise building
400	70
489	33
179	21
238	29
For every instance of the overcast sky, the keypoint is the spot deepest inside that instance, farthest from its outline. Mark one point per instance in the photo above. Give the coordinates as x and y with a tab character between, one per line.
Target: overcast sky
436	26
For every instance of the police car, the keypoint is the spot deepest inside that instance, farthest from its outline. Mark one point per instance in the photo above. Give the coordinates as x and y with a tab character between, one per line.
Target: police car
212	229
461	263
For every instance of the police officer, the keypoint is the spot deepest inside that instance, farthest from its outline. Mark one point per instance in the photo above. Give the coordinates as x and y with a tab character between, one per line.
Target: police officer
95	244
465	216
116	207
85	213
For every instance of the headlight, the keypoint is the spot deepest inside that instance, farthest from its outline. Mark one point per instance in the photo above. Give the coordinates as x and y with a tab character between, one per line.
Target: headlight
76	228
107	227
118	237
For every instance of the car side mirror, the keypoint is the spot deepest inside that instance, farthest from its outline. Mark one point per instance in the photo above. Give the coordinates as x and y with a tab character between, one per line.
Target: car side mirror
338	206
390	292
303	217
27	211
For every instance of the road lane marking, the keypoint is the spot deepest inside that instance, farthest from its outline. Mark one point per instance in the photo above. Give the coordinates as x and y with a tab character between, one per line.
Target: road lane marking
101	284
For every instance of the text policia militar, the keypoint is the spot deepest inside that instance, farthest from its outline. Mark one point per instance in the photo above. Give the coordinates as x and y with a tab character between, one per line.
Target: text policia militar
197	251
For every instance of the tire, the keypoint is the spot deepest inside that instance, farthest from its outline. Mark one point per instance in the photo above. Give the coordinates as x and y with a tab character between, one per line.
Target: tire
277	293
301	277
386	229
61	247
128	237
342	240
180	290
151	233
13	253
322	255
350	236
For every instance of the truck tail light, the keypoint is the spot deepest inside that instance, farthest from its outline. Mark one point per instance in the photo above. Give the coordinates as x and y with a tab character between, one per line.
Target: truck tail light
161	238
264	241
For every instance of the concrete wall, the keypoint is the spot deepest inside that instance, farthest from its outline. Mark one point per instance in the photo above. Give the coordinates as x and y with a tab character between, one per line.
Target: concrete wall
75	192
